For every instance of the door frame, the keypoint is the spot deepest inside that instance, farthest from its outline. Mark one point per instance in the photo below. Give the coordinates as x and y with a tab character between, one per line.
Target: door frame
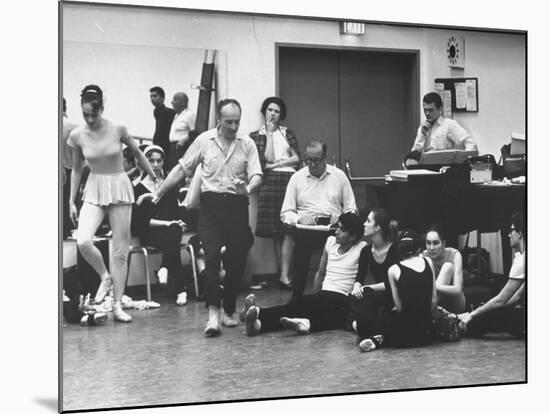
414	99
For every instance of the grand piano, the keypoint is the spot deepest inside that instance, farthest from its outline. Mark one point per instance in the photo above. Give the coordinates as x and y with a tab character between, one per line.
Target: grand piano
451	201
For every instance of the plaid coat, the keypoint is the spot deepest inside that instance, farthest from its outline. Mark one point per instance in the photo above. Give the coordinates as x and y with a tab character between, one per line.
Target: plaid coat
260	139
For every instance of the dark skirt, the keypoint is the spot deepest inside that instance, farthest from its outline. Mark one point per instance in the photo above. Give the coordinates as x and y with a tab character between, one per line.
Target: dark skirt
270	201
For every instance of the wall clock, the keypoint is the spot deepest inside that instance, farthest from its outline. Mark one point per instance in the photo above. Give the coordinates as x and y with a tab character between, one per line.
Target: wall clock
455	52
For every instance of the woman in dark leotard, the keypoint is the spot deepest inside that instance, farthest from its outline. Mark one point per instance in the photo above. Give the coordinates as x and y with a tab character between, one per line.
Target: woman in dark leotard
412	284
369	300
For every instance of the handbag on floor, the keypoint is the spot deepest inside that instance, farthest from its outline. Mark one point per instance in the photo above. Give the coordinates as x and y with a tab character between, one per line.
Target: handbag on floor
445	325
475	264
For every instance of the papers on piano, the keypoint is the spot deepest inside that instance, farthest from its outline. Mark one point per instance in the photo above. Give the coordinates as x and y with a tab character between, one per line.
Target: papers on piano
445	157
314	227
406	175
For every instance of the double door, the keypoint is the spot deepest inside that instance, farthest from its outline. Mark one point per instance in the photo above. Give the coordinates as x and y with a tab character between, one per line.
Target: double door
362	103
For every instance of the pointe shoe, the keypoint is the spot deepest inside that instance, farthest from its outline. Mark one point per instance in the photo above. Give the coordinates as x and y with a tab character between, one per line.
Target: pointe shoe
298	325
213	325
253	324
103	289
93	319
162	275
370	344
120	316
228	320
181	299
249	301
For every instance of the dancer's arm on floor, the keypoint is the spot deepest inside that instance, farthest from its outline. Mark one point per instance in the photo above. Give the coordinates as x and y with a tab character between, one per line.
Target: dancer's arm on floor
393	276
320	275
499	301
434	288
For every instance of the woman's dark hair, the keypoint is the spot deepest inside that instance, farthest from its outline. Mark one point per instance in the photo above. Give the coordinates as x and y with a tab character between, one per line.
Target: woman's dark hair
276	100
149	152
353	224
93	95
436	229
388	227
408	244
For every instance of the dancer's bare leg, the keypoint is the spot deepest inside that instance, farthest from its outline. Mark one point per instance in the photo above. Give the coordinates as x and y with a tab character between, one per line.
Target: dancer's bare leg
89	220
119	219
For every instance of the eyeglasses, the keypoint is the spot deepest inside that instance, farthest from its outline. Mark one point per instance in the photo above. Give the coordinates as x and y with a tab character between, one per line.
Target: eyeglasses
314	161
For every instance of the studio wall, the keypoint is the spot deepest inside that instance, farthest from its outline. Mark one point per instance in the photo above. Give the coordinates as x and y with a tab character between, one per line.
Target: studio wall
249	71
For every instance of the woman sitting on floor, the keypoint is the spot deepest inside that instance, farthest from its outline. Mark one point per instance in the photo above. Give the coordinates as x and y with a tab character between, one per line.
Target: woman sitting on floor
328	308
412	284
506	311
447	263
160	225
375	260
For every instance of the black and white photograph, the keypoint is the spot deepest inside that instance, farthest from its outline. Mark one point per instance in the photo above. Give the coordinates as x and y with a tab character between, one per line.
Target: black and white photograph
288	209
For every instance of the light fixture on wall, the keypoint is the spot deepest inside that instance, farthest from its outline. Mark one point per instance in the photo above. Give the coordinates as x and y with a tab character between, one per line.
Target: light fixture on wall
455	52
353	28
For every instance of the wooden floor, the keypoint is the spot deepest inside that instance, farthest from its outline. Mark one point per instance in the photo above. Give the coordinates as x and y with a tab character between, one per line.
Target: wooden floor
162	357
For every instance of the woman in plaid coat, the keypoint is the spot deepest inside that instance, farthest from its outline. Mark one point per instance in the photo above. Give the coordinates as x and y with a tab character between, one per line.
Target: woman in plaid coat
280	158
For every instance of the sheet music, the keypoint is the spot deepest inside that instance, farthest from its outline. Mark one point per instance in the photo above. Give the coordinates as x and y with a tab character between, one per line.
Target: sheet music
460	88
471	95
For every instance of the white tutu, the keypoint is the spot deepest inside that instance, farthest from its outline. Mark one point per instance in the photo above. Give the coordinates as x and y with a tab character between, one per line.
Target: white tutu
106	189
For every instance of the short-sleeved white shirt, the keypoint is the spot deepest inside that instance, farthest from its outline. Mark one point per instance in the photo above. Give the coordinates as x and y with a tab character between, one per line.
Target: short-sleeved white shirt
341	268
218	169
517	271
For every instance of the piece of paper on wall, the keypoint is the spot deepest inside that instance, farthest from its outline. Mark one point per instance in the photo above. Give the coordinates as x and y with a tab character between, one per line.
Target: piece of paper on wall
471	95
439	87
460	88
447	106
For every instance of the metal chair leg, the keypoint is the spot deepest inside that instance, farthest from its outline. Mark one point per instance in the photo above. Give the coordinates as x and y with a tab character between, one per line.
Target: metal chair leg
143	251
194	267
147	273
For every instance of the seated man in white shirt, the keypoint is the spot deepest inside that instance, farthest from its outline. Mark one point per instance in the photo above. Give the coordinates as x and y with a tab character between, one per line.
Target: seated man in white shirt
315	194
438	133
506	311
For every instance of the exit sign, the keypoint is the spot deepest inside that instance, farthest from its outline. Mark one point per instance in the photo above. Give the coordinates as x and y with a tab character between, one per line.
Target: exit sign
352	28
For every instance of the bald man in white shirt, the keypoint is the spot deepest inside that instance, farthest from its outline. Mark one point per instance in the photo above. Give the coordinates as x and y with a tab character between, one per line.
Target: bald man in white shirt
182	125
315	193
